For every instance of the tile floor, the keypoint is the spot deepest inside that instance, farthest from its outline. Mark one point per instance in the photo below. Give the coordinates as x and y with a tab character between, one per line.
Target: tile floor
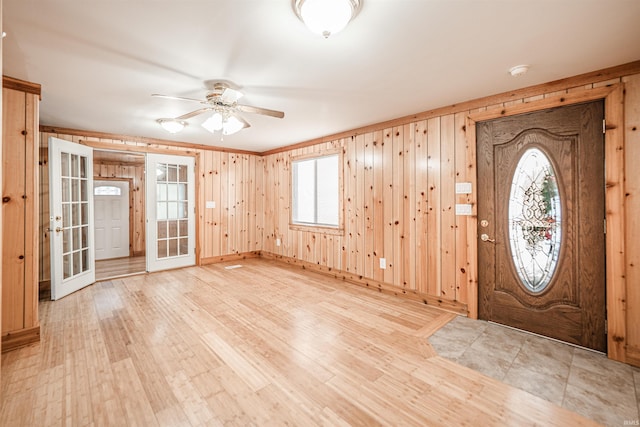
577	379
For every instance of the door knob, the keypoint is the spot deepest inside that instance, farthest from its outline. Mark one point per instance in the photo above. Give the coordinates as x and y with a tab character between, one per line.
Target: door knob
58	229
485	238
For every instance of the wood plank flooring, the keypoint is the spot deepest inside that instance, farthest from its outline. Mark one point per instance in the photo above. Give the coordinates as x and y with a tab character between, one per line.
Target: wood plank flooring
261	345
118	267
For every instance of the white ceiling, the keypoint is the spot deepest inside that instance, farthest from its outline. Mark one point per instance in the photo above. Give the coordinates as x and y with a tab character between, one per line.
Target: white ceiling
98	61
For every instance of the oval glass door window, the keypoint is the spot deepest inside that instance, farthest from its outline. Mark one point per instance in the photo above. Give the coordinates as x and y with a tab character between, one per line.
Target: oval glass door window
535	220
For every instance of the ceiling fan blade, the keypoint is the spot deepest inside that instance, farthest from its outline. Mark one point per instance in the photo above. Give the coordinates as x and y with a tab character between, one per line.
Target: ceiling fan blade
179	98
193	113
258	110
230	96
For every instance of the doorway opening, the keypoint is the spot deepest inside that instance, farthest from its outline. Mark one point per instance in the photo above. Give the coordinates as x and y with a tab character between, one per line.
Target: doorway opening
119	199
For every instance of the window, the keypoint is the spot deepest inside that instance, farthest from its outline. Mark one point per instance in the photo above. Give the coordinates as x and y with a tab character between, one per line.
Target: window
107	190
315	191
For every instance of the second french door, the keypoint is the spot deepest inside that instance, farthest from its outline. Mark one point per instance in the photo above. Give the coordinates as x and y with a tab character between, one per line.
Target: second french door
170	189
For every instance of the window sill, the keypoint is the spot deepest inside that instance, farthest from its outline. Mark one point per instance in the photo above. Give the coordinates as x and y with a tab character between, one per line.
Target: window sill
317	229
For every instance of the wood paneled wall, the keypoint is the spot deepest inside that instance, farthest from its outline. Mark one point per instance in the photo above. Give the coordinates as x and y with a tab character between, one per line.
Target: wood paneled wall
632	207
234	226
230	179
399	204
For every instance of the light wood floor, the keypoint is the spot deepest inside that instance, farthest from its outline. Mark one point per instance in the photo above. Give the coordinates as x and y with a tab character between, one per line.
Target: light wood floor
260	345
117	267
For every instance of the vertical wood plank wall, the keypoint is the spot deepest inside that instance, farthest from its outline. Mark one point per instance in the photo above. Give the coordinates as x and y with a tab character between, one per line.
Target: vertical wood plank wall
399	204
232	228
632	205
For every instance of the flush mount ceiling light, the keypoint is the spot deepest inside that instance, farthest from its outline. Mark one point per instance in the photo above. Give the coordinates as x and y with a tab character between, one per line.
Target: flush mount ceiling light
326	17
518	70
172	125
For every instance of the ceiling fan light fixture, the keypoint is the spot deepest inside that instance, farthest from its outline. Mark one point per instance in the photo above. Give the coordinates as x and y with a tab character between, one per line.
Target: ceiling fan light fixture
213	123
232	125
326	17
171	125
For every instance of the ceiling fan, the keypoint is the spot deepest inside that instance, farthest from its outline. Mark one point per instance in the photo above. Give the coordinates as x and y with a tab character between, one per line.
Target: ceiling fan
222	101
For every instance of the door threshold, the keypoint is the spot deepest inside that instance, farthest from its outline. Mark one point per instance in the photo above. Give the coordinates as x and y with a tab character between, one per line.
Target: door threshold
120	276
546	337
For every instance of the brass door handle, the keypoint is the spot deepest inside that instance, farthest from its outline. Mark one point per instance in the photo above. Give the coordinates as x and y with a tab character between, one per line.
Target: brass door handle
485	238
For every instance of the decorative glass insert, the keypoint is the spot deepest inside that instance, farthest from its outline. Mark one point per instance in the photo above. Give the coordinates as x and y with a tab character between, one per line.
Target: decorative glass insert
75	215
172	213
107	190
535	220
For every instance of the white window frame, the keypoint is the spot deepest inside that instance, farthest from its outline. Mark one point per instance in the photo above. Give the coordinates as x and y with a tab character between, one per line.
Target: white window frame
304	226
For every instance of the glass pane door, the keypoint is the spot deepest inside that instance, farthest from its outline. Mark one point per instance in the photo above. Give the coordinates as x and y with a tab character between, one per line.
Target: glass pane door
171	202
71	186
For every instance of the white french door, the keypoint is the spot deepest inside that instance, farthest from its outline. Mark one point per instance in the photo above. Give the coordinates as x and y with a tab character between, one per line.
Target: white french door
170	193
71	221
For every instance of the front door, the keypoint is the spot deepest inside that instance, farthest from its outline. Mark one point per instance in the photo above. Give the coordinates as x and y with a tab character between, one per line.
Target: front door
111	199
71	222
541	253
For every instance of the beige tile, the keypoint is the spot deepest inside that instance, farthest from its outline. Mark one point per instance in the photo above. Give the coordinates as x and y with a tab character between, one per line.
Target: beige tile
483	361
545	356
547	387
609	393
592	404
499	342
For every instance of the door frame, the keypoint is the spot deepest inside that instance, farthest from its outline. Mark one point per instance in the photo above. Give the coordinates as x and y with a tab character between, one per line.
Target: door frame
130	181
613	96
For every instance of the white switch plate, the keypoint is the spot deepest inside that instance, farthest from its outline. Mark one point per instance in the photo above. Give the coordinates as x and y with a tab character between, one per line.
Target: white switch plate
463	188
464	209
277	242
211	204
383	263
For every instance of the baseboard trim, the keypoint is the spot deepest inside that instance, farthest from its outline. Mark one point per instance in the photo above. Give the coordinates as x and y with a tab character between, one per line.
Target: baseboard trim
20	338
230	257
452	306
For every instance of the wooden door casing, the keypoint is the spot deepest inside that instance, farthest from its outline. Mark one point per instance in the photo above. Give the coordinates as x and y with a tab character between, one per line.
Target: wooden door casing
572	307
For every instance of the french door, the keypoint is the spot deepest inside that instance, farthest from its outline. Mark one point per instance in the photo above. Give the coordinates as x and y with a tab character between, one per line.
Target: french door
71	220
170	189
541	254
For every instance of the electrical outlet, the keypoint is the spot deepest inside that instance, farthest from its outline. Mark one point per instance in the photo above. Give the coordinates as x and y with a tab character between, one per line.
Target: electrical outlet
277	242
383	263
211	204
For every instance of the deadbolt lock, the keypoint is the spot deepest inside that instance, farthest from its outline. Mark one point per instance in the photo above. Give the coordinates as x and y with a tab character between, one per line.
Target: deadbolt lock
484	223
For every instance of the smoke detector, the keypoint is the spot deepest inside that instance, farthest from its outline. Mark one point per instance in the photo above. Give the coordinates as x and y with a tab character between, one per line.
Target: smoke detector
518	70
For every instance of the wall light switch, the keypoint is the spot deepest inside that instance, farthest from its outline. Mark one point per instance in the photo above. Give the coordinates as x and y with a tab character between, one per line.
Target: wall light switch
463	188
464	209
383	263
277	242
211	204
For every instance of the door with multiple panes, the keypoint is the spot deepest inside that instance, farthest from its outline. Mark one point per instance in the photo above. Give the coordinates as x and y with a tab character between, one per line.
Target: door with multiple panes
71	217
170	183
170	207
541	231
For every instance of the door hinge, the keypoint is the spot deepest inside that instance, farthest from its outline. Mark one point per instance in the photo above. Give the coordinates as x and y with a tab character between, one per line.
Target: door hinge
605	226
604	126
606	326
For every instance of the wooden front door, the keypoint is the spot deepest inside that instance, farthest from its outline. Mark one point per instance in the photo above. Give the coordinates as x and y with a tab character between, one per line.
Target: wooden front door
541	253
